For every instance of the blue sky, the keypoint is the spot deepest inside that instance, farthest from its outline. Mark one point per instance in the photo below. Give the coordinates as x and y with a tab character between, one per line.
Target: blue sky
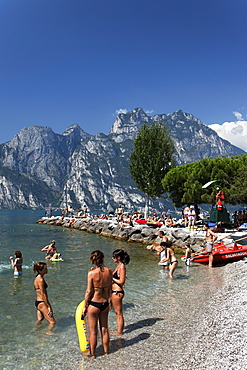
69	61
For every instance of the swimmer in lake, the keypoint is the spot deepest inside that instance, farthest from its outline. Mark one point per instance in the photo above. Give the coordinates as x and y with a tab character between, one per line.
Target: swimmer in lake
17	263
50	250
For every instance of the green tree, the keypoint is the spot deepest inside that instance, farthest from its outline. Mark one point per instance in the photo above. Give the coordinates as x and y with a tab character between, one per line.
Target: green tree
151	159
184	183
238	183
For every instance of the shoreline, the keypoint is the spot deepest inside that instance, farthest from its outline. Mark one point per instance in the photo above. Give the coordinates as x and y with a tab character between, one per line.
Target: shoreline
210	328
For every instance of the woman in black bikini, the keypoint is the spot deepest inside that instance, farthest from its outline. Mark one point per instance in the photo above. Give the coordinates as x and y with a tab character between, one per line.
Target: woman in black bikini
97	300
42	304
121	258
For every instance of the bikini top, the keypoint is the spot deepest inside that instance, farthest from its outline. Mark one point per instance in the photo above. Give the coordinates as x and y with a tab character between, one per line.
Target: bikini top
115	275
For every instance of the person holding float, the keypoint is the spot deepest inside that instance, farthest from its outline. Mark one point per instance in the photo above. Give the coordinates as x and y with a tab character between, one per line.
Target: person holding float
97	301
121	258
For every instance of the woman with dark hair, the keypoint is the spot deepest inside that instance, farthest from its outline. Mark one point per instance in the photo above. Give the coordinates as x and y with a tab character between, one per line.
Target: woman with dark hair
17	263
121	258
42	303
97	300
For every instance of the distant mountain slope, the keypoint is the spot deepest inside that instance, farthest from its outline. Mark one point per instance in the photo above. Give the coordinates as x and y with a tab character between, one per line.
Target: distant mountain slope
38	166
193	140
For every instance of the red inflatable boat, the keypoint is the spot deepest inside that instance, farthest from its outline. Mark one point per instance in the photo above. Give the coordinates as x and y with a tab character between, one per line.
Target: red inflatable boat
222	254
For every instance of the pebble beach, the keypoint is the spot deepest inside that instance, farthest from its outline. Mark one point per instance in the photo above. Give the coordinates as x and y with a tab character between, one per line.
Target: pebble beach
207	330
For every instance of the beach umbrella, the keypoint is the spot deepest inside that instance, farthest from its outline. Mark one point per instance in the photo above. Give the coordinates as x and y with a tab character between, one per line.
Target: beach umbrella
208	184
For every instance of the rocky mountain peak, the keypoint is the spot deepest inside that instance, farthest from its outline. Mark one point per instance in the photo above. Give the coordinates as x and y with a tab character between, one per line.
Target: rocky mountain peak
128	124
75	132
31	135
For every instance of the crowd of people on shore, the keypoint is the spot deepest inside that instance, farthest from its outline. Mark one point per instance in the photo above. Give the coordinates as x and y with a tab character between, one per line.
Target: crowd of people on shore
187	218
239	217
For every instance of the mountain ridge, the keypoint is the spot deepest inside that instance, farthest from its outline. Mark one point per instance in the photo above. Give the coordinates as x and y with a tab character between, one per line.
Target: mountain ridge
75	167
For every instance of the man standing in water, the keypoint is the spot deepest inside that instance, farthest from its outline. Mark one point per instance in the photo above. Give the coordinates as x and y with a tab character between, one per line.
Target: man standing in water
210	239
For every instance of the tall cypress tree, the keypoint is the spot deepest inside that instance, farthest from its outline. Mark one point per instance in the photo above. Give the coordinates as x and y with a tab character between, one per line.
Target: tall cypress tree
151	159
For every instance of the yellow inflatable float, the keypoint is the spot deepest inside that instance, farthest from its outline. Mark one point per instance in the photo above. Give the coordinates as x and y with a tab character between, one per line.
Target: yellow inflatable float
81	328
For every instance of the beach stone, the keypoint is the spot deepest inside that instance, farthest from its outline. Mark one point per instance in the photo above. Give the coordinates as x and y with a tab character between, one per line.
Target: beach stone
180	234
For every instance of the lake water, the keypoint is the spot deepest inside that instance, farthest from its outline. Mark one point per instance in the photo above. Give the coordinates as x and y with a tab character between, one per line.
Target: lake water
22	345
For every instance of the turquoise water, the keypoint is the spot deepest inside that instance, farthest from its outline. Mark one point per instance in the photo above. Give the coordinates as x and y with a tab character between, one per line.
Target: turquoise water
24	346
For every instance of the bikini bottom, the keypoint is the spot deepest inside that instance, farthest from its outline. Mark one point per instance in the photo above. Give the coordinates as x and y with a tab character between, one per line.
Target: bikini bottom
100	305
17	273
117	292
37	303
173	262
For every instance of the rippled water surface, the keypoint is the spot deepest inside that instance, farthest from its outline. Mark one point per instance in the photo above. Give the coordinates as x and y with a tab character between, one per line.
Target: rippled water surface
24	346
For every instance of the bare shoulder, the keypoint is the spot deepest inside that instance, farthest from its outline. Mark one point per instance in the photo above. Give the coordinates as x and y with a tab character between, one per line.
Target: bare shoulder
39	280
109	271
91	272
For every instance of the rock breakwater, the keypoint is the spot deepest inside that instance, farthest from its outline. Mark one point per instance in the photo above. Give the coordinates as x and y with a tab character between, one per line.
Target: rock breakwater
139	233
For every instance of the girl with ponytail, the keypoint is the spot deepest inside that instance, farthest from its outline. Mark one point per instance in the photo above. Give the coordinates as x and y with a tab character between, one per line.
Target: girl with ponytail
121	258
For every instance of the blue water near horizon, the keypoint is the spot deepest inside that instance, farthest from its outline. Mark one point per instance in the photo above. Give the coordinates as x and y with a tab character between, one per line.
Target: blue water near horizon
24	346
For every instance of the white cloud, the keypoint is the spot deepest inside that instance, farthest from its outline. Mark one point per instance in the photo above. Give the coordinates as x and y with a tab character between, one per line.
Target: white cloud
238	116
124	110
235	132
121	110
